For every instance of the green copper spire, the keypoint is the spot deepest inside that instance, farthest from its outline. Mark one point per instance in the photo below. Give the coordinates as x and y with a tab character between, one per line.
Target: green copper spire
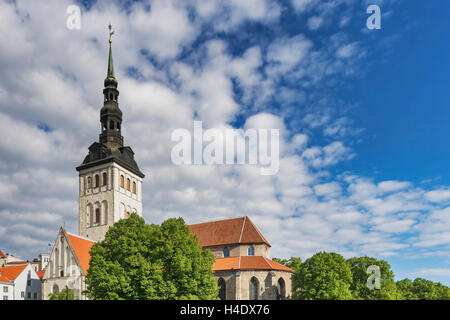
110	78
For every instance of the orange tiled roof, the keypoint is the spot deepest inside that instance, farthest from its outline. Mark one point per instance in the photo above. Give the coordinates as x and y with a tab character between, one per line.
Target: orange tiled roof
229	231
81	246
10	273
2	255
248	263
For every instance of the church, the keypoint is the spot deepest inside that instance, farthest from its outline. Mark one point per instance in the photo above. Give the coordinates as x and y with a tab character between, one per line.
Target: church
110	189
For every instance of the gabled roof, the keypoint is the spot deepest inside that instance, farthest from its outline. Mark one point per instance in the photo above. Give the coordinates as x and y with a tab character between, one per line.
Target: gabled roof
10	273
2	256
81	246
248	263
230	231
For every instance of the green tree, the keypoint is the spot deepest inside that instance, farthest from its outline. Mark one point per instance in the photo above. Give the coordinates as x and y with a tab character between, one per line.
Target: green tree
422	289
137	261
387	290
323	276
442	292
406	289
65	294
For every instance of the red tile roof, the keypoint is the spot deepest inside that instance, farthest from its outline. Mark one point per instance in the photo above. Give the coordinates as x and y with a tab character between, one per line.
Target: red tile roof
2	255
40	274
10	273
81	246
248	263
229	231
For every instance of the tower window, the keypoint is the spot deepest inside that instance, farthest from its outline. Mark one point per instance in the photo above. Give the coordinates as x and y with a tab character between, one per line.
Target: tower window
111	125
89	182
128	184
122	182
134	187
251	251
97	215
226	252
104	178
97	180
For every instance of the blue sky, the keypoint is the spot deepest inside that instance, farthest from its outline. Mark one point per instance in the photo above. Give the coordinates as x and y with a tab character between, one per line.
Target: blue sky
363	116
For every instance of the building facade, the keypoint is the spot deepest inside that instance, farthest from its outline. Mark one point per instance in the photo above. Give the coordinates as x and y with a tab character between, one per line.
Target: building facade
243	269
20	282
68	265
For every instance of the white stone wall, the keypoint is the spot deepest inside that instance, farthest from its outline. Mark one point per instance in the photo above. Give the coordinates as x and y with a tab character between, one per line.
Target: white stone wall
240	250
6	291
29	284
238	283
113	201
62	269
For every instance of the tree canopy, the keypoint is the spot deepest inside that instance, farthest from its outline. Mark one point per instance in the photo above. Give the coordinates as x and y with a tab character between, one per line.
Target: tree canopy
323	276
387	289
137	261
330	276
422	289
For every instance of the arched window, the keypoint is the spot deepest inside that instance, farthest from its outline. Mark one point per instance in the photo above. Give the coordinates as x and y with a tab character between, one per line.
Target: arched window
122	181
97	180
226	252
251	251
111	125
222	289
253	289
128	184
134	187
89	182
97	215
281	289
89	216
104	178
55	288
105	212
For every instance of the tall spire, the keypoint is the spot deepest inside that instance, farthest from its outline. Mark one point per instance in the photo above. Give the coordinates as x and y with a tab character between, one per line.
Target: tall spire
110	114
110	78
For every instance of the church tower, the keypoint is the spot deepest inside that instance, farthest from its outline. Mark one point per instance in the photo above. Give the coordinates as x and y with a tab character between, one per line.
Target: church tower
110	182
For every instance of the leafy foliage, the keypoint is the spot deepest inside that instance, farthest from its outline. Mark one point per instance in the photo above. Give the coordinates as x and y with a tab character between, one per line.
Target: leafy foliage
137	261
388	289
422	289
65	294
323	276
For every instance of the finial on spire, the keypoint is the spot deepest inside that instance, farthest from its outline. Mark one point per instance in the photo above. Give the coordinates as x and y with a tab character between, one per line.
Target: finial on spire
110	33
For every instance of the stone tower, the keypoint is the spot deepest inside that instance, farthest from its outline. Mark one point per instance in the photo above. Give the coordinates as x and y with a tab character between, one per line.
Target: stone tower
110	182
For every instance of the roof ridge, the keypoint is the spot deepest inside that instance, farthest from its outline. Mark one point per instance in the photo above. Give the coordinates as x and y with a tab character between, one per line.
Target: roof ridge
259	232
267	261
195	224
80	237
242	230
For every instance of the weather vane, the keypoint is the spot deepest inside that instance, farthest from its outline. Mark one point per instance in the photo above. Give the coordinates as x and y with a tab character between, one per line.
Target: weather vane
110	33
